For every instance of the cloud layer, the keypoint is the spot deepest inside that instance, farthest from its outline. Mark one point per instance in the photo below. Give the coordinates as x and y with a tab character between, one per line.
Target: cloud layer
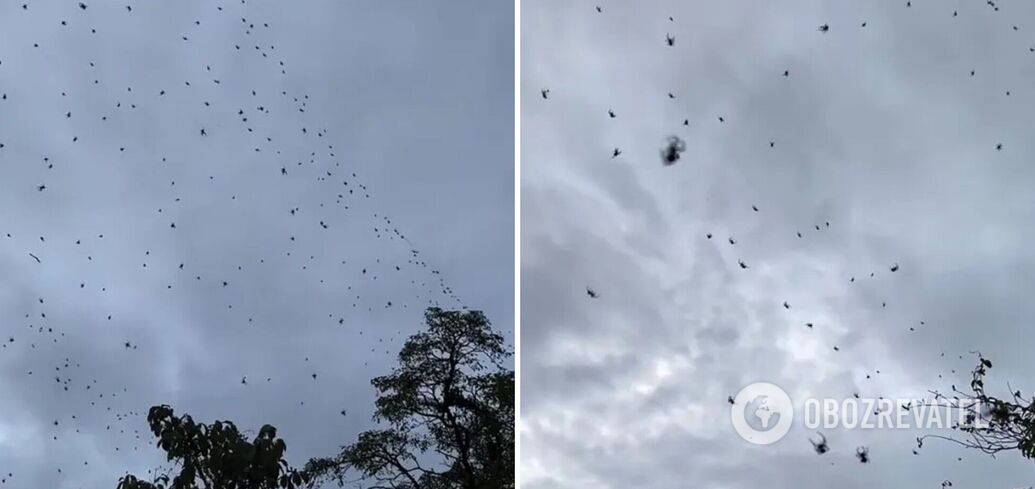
879	130
262	271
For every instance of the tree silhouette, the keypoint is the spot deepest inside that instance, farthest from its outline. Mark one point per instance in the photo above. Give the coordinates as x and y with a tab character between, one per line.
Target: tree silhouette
449	411
216	456
448	407
991	424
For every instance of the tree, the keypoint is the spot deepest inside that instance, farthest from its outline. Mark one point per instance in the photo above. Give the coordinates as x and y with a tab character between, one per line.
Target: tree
216	456
449	411
991	424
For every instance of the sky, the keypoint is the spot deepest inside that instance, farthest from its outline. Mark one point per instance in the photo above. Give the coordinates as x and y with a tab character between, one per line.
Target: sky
239	209
879	130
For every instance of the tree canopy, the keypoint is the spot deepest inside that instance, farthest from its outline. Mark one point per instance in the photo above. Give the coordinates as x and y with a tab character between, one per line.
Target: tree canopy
446	414
216	456
448	409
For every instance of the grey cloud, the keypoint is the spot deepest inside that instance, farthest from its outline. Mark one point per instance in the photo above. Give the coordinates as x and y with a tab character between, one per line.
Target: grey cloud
416	100
878	130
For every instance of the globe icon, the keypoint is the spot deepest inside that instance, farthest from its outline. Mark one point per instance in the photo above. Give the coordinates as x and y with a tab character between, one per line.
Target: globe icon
760	415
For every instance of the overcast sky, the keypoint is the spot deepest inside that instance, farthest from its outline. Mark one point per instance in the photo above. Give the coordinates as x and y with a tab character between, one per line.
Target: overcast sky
338	137
879	130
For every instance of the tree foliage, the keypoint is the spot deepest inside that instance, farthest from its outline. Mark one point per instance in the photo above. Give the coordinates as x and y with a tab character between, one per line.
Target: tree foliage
216	456
447	413
992	424
448	409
